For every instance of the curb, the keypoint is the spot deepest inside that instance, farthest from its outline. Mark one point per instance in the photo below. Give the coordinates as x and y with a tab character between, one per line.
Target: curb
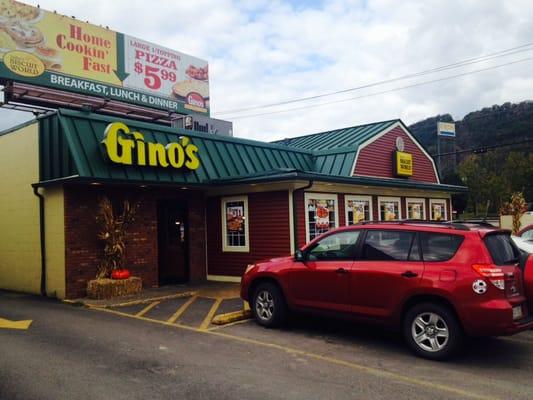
235	316
79	303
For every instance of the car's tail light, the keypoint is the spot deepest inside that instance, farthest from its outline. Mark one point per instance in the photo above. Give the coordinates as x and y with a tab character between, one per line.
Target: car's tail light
494	274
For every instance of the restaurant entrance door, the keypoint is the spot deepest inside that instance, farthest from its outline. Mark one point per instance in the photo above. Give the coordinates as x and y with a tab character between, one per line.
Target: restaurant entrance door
172	242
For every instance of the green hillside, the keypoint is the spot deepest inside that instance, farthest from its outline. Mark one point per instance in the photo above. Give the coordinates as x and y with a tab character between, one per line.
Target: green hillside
495	169
490	126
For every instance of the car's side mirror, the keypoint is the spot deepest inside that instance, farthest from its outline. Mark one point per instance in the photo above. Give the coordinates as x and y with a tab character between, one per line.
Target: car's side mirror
299	256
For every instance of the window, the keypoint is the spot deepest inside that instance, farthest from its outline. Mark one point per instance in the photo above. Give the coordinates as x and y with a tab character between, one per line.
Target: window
390	246
338	246
321	214
235	233
438	209
389	209
501	249
439	246
358	208
416	208
527	235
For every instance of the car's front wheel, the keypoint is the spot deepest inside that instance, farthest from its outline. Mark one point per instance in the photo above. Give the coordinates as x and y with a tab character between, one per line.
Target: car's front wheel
432	331
268	305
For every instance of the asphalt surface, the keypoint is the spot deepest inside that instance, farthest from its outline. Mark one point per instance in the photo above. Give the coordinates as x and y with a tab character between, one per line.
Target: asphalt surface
78	353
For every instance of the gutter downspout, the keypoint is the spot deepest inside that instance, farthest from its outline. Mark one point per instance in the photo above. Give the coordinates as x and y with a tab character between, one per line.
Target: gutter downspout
42	238
295	214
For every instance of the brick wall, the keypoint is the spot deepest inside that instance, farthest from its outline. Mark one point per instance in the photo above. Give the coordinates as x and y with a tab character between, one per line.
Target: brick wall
83	250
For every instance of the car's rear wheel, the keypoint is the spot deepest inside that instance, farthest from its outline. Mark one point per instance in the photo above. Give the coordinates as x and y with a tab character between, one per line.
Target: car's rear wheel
432	331
268	305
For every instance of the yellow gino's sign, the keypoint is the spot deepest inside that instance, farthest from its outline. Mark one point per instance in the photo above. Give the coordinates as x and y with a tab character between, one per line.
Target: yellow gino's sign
403	164
127	147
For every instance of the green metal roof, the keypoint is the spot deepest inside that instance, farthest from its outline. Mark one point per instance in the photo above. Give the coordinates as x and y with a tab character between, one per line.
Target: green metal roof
334	151
71	149
338	138
70	145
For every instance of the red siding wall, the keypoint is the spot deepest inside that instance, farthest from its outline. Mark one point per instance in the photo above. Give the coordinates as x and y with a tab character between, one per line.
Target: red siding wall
376	158
269	235
83	250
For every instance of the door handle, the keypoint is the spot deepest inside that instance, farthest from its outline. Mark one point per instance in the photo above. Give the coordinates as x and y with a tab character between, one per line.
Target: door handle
410	274
341	271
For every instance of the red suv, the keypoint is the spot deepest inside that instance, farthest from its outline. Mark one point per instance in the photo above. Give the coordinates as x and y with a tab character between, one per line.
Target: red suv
436	281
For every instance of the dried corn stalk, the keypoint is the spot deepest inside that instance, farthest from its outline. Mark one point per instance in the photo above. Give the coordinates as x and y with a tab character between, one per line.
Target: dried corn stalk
516	208
113	229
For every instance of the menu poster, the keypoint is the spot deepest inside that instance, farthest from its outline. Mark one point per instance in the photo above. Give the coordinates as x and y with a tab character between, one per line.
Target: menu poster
235	218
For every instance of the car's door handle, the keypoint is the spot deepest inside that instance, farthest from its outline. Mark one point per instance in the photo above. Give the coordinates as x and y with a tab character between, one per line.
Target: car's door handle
410	274
341	271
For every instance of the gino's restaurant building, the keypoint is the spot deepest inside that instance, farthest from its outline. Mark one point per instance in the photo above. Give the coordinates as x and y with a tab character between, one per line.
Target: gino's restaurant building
209	204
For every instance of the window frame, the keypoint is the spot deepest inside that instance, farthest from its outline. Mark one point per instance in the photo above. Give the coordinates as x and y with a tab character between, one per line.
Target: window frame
416	200
349	197
319	196
385	199
225	246
436	201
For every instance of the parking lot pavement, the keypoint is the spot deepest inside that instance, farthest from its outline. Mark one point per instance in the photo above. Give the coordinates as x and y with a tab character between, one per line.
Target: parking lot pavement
135	352
194	311
488	368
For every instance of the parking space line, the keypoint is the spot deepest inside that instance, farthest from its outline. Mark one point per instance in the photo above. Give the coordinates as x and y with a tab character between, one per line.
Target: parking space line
147	308
210	314
380	373
181	310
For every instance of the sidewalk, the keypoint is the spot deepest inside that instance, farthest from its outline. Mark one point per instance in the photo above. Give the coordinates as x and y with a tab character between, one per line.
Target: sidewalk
211	290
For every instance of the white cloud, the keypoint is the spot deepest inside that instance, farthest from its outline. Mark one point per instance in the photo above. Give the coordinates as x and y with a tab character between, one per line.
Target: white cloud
268	51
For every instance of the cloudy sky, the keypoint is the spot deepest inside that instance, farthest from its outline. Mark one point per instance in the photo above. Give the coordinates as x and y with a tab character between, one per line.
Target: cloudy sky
264	52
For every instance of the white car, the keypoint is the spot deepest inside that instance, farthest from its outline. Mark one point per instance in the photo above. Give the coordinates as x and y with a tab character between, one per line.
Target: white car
524	239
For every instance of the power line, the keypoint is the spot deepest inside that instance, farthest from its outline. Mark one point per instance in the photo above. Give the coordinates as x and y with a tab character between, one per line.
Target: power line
474	60
481	150
384	91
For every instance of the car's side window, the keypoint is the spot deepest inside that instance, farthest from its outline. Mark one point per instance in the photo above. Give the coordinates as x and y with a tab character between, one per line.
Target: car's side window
388	245
528	235
439	246
339	246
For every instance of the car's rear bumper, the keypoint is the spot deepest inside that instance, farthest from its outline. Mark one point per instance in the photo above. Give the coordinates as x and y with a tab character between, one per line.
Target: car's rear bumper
495	318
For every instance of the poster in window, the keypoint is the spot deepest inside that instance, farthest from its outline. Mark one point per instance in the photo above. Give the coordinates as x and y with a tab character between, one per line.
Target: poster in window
416	210
359	209
390	210
437	209
235	217
321	214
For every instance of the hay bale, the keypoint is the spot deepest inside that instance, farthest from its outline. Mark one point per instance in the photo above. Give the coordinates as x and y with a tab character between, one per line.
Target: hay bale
99	289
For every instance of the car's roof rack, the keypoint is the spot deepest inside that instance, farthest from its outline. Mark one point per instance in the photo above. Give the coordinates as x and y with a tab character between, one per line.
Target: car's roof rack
474	222
456	224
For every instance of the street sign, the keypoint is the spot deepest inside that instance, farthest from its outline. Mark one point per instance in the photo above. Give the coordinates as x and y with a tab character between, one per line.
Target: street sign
446	129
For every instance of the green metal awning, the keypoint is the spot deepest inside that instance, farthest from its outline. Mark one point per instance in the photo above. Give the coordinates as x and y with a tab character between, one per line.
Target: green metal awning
70	144
71	149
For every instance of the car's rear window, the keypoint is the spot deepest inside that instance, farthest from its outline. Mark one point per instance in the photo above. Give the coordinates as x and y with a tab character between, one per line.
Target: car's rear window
501	249
439	246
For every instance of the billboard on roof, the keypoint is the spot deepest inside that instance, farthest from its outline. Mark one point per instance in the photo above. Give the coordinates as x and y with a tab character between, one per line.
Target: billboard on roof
51	50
